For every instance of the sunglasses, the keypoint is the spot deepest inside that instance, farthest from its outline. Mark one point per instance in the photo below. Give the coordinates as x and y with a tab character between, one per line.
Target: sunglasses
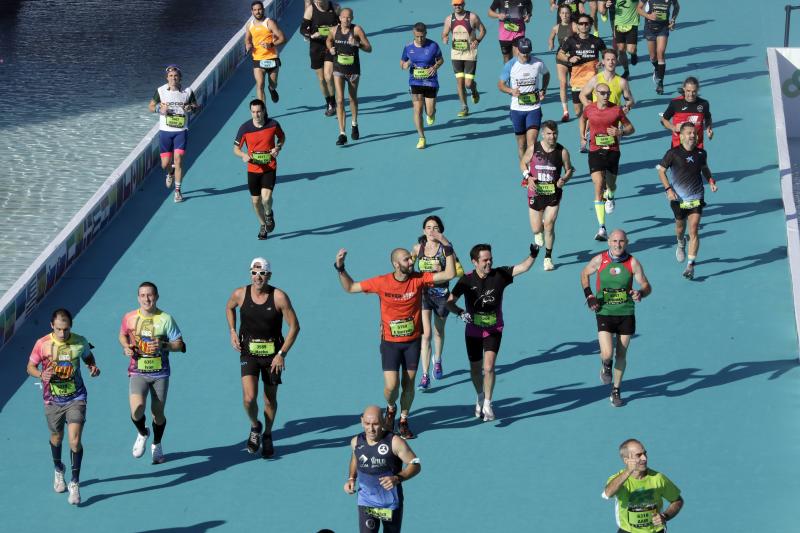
603	93
584	23
258	273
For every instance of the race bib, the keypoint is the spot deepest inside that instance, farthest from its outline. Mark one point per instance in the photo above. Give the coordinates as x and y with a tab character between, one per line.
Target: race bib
63	388
402	328
427	265
510	26
605	140
149	364
615	296
545	188
528	98
641	517
420	73
460	45
261	158
345	59
384	515
485	320
267	63
324	30
661	15
261	348
690	204
176	121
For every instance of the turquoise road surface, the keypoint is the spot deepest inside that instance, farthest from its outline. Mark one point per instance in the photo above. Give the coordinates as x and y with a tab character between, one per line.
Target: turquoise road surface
712	380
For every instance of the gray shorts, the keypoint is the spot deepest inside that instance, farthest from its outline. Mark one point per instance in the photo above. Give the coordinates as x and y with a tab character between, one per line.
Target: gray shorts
157	387
71	413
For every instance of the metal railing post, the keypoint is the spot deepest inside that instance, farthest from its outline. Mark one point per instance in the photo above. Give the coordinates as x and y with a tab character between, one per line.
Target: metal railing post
788	9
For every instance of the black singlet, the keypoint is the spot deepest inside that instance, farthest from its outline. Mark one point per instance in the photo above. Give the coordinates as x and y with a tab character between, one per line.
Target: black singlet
319	18
346	59
263	321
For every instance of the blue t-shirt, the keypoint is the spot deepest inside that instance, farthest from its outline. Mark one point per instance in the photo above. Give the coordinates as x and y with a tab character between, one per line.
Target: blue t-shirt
422	57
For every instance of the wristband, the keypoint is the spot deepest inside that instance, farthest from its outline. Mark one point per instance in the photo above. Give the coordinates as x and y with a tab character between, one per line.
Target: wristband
587	292
339	270
668	188
534	250
280	352
526	174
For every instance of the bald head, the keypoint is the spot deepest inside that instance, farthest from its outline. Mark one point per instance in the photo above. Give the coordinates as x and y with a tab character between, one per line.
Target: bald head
618	234
398	254
602	87
372	411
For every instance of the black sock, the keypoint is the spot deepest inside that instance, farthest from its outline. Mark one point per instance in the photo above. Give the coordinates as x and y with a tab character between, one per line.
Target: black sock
140	424
56	452
76	458
548	253
158	431
655	64
662	68
330	100
634	58
257	428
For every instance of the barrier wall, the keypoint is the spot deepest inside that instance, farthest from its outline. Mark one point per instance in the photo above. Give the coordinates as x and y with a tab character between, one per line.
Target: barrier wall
784	73
38	280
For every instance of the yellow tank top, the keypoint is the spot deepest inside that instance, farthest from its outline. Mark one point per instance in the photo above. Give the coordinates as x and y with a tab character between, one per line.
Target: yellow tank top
615	85
262	36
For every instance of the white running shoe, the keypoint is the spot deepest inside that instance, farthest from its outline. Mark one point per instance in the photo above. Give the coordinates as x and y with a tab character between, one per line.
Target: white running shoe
138	446
602	234
157	453
479	406
74	493
548	264
680	251
488	413
610	205
538	238
58	482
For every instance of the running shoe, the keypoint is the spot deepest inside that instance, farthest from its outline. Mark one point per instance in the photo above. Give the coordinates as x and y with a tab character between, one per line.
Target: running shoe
602	234
548	264
660	87
634	59
583	147
170	180
476	96
680	251
488	412
463	113
330	110
58	481
616	399
565	117
405	431
610	205
538	238
178	196
424	383
269	220
388	418
421	143
430	119
341	139
273	94
262	233
689	272
479	406
157	454
254	438
354	132
605	373
74	493
138	444
267	448
438	372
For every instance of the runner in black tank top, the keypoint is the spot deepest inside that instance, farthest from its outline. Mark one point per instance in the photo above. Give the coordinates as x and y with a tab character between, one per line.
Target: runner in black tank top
263	349
564	27
319	19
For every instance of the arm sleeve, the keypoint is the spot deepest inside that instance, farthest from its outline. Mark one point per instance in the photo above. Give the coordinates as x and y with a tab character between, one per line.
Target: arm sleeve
404	56
123	327
87	350
305	28
239	140
508	274
505	75
36	353
172	330
666	161
707	112
566	45
279	133
670	112
438	54
371	285
427	279
670	492
459	289
192	98
157	97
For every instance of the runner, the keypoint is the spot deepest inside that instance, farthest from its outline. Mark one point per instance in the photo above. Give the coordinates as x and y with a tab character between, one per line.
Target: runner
343	43
689	163
422	57
319	19
563	29
606	123
468	32
525	78
619	86
259	136
429	256
657	25
147	335
639	493
483	298
377	473
541	167
582	51
262	347
173	103
261	39
400	294
512	16
626	33
59	354
576	7
613	303
688	108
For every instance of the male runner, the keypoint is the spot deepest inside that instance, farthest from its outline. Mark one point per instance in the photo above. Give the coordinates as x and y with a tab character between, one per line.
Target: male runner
422	57
525	78
319	19
542	166
376	473
626	32
261	39
483	298
259	135
581	50
639	493
688	108
400	294
657	25
59	353
619	86
173	103
147	335
511	15
262	347
613	302
685	191
468	32
606	123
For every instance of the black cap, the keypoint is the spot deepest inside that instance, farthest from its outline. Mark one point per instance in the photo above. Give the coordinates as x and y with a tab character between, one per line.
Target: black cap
524	46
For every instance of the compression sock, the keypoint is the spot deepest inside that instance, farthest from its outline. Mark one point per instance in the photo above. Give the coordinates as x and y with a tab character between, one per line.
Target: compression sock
600	211
141	427
76	458
548	253
56	453
158	431
662	68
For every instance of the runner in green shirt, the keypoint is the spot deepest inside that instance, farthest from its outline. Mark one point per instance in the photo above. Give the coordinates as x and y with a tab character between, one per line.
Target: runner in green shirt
626	31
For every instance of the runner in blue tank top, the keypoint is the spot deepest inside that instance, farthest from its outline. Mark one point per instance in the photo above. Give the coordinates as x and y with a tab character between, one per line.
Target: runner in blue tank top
422	57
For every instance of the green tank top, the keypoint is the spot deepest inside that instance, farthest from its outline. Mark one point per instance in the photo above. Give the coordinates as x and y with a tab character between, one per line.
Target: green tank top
614	280
626	16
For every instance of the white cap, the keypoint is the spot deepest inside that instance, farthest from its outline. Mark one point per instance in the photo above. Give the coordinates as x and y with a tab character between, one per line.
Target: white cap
260	261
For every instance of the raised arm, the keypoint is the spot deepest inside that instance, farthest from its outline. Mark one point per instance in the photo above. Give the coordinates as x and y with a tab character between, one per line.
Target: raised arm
344	278
526	264
449	271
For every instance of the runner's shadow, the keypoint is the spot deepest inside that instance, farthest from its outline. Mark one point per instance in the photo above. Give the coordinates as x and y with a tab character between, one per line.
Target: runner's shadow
202	527
752	261
401	29
356	223
741	210
699	50
739	175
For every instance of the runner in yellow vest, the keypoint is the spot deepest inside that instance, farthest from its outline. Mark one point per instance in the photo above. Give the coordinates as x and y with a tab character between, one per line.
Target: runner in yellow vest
619	87
261	38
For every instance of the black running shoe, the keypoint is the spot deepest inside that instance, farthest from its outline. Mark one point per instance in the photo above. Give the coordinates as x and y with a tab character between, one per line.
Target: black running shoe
262	233
254	439
615	398
274	95
634	59
270	220
405	431
341	139
354	132
267	449
330	110
660	87
388	418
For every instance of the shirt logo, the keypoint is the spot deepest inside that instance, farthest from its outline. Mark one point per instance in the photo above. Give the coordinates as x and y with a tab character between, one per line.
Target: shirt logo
383	449
690	159
614	271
